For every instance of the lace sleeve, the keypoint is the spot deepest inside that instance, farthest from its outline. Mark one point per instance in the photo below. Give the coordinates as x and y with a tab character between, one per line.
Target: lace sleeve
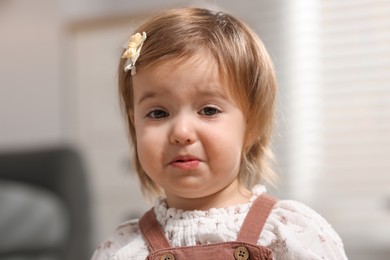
294	231
125	243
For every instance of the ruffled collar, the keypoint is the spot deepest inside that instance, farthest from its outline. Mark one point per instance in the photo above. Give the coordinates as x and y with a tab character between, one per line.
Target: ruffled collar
165	214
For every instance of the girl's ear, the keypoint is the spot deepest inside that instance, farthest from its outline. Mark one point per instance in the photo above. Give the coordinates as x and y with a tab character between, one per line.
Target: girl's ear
249	138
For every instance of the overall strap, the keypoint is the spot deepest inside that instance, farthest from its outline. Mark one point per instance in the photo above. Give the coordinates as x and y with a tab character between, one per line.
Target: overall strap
152	231
255	219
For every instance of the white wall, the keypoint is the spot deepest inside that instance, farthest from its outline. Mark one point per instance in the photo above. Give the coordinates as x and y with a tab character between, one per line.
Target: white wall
30	99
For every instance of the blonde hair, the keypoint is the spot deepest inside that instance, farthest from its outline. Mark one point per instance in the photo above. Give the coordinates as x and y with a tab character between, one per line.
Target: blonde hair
243	63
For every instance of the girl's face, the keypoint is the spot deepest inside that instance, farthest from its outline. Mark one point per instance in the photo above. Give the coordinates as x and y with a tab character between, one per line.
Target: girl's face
190	135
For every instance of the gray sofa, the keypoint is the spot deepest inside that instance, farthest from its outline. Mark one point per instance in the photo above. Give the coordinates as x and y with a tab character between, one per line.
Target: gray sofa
44	205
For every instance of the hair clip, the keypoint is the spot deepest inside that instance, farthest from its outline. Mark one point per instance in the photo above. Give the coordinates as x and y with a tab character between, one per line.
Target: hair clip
132	52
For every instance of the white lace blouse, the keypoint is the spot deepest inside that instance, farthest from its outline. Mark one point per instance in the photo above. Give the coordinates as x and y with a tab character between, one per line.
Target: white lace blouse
292	231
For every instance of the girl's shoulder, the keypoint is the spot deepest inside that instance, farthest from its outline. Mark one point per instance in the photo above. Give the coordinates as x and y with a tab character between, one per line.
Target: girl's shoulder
127	235
297	213
294	214
294	230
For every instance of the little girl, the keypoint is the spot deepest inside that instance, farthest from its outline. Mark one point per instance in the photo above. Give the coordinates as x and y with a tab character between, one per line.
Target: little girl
198	90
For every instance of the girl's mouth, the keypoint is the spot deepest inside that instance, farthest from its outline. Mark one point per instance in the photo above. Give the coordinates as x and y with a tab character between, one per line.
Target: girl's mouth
185	162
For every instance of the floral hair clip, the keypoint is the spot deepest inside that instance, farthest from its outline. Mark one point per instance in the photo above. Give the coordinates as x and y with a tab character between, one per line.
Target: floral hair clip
132	52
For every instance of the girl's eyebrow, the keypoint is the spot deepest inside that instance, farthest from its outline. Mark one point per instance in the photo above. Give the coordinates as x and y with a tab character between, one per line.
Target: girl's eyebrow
213	92
209	92
146	95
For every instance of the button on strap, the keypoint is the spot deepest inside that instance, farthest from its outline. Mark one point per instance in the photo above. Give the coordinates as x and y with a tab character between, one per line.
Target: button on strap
241	253
167	256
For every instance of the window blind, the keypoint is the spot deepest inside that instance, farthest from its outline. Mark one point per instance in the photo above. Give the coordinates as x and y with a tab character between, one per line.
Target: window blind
355	82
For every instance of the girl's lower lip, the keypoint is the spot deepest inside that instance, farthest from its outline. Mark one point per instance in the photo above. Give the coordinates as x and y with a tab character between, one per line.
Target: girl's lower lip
185	165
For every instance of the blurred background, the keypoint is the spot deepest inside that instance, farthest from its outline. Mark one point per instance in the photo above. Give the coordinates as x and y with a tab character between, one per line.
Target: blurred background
332	138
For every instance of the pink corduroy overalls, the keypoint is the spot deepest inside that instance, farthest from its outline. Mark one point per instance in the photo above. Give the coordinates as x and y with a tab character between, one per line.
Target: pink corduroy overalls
245	247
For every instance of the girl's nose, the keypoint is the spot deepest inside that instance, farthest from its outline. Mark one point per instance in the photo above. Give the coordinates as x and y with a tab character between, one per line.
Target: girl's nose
182	131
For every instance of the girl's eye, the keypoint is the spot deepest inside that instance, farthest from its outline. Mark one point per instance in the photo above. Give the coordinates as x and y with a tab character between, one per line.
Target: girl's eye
157	114
209	111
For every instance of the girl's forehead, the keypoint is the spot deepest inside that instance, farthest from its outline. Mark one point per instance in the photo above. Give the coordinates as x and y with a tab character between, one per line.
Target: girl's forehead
197	69
189	63
201	72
